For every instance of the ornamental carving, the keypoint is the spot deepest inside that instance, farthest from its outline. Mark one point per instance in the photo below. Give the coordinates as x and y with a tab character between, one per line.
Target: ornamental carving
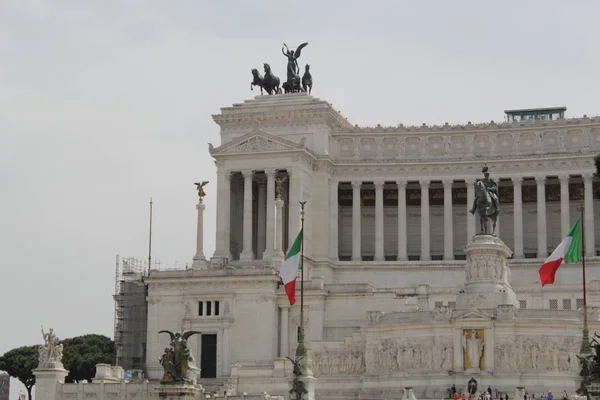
257	143
339	362
539	353
485	267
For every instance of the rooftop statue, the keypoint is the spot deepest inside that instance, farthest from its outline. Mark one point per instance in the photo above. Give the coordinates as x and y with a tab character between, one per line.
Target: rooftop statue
176	359
293	83
486	202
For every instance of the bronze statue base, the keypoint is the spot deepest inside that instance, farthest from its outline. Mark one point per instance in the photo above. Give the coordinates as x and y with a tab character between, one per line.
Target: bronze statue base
178	391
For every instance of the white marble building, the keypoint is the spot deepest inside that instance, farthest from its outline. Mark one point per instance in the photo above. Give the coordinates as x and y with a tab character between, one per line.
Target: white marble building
384	269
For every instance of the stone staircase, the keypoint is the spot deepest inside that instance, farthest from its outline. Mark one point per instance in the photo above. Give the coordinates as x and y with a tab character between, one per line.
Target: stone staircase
214	385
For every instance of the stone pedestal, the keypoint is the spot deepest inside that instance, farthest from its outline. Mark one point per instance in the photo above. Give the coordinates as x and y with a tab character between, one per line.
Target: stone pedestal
179	392
46	381
408	394
199	259
487	275
519	393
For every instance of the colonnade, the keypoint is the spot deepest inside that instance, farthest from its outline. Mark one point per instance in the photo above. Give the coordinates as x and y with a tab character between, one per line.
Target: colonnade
448	184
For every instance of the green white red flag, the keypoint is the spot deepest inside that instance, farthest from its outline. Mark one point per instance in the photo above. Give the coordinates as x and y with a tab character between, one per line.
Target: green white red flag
568	251
290	267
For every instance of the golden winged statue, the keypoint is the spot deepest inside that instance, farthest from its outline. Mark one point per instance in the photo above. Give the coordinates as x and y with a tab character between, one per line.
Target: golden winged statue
199	187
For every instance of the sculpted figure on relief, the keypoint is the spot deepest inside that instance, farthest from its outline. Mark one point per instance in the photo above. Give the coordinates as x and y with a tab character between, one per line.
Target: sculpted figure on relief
545	353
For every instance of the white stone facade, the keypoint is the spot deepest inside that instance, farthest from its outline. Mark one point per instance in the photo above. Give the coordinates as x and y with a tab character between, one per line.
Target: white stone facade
384	269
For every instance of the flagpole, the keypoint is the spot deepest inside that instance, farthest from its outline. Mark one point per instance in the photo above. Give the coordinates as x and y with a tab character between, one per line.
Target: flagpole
585	343
301	350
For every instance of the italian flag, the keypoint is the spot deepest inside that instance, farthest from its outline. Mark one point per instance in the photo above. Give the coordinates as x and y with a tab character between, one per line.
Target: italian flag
289	268
569	250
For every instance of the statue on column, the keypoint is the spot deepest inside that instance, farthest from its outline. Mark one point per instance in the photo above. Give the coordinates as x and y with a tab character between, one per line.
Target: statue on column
279	187
51	352
176	359
474	348
486	202
199	188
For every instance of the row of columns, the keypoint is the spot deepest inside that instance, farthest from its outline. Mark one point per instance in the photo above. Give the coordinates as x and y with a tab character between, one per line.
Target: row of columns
266	221
448	221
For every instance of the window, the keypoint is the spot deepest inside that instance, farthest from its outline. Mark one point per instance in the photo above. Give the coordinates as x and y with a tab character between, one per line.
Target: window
391	258
438	304
522	303
200	308
579	303
437	257
414	258
460	256
553	304
566	304
216	308
368	258
208	307
452	304
345	258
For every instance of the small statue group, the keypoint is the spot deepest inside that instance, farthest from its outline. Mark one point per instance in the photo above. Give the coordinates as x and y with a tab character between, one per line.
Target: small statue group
176	359
270	83
298	387
51	352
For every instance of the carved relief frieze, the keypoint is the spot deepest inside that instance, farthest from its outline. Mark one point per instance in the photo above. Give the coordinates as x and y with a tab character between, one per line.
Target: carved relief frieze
537	353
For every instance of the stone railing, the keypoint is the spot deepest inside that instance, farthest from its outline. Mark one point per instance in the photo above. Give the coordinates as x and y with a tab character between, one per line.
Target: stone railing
490	141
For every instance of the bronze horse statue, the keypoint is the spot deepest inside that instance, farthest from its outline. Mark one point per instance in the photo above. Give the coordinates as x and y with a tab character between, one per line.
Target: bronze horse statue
485	208
307	80
270	81
257	80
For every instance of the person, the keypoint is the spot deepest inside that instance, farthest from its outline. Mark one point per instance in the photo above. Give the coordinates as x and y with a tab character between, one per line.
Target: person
550	395
453	390
565	396
455	396
492	188
464	396
489	390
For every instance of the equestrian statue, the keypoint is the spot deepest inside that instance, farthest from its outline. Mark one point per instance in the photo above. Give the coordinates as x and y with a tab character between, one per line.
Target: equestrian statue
486	202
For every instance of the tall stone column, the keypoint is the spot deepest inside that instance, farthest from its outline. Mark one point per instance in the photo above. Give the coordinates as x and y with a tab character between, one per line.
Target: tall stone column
333	221
540	180
356	219
448	227
270	231
223	237
402	248
284	334
246	254
261	220
565	212
518	216
590	243
379	235
199	259
470	217
278	252
425	245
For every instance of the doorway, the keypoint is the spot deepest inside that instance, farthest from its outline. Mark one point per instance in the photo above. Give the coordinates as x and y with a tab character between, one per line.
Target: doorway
208	356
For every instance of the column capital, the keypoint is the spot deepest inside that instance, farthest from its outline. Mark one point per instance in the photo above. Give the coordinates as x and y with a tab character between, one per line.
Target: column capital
470	181
564	178
540	179
379	184
247	173
516	180
448	183
270	172
401	184
356	184
587	177
424	183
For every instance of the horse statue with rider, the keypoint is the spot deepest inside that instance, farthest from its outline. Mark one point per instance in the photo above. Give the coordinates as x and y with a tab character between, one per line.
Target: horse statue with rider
293	84
486	203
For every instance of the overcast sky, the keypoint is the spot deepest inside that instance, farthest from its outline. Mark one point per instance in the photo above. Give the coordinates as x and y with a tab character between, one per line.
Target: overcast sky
104	104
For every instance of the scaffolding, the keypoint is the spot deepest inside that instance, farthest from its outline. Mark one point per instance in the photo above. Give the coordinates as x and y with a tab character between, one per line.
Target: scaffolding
130	317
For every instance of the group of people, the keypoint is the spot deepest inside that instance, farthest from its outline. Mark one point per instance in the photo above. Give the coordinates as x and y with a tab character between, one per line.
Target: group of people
487	395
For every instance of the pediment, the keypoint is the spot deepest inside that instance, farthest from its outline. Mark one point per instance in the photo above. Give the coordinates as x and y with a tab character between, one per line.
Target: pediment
473	314
256	141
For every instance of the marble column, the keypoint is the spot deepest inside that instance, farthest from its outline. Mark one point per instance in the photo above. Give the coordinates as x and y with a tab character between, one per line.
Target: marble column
261	219
246	254
542	251
223	237
379	235
333	221
270	230
565	212
470	217
199	261
448	226
518	216
278	252
590	243
402	247
284	332
425	245
356	219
